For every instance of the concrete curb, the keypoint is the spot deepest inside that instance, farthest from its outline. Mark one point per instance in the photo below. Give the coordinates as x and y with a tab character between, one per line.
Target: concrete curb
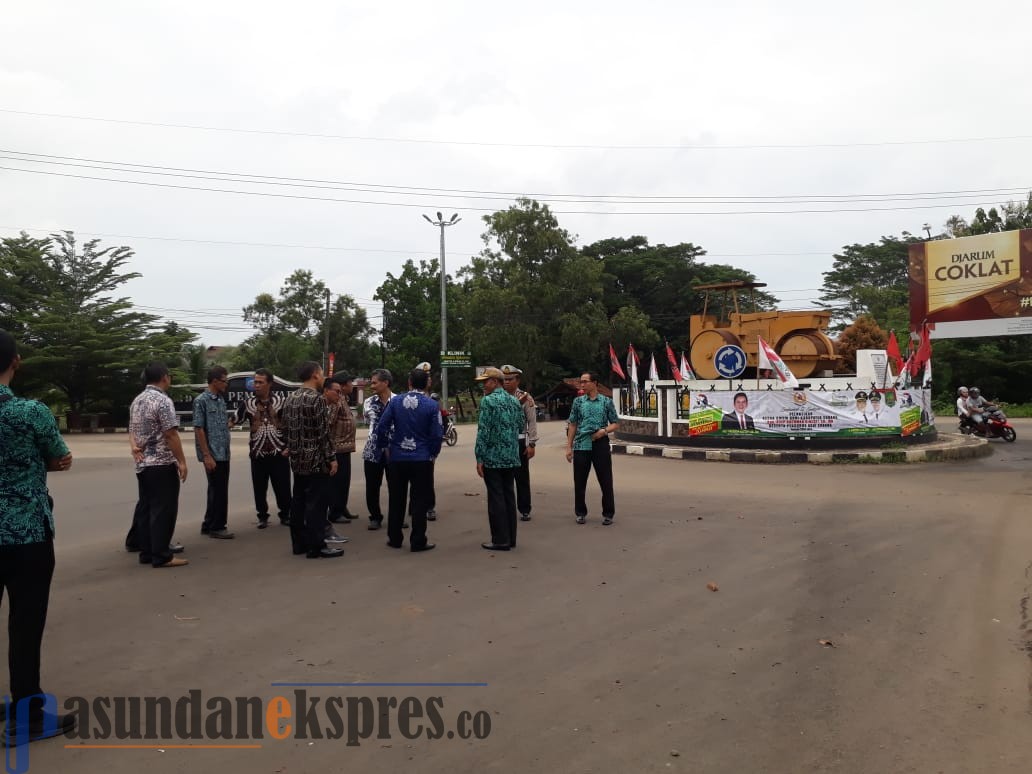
947	448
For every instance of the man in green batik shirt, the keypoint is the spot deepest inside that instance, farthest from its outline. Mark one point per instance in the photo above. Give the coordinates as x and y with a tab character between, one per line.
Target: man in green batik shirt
592	418
498	457
30	445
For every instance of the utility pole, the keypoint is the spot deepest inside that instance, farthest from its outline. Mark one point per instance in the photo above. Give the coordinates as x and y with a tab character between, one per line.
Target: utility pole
442	223
326	332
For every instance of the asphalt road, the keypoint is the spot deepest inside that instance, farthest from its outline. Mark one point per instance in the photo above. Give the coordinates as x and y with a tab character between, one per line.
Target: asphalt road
602	648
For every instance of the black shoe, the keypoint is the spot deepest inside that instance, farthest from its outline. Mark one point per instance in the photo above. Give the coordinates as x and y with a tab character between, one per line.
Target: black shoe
263	520
493	547
44	727
221	534
205	530
131	550
607	520
299	551
339	518
427	547
375	524
582	519
176	548
326	553
284	520
524	517
393	545
431	515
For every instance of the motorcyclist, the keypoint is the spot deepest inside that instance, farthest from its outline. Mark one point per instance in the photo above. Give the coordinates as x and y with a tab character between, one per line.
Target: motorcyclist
963	412
978	408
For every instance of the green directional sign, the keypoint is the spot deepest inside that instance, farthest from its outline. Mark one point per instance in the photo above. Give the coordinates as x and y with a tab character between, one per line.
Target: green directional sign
454	359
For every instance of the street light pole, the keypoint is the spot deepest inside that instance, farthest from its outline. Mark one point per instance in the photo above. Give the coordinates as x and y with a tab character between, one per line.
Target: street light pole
326	332
442	223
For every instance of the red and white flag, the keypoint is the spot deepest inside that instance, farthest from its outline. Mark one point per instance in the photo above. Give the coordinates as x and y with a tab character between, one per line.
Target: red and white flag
686	370
674	371
892	350
653	371
614	363
770	360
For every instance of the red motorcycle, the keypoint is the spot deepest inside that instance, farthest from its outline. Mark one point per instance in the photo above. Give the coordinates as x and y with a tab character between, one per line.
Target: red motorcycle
994	426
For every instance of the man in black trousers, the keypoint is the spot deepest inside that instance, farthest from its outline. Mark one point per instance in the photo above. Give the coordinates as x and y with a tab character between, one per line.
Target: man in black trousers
267	449
31	445
411	431
312	460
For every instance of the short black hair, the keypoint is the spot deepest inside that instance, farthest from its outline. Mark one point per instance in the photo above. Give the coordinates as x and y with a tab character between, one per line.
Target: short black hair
592	376
8	350
154	372
306	369
418	378
343	377
264	372
740	395
217	372
383	375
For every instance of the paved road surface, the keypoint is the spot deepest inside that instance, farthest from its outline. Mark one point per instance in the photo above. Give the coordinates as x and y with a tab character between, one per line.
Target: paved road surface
602	648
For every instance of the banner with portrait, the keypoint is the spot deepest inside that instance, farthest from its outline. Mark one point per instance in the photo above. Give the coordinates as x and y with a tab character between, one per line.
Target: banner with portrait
845	413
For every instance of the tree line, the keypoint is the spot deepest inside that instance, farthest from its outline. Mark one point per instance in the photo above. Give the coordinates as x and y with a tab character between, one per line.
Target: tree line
531	297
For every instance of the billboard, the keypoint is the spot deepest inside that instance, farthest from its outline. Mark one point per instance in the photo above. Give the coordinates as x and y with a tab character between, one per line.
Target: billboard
973	286
793	413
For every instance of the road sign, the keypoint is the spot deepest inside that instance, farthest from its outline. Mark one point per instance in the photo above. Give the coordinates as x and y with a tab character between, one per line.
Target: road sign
729	361
454	359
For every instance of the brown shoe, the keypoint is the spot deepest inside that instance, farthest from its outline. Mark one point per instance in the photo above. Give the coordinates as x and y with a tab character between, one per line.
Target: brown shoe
175	561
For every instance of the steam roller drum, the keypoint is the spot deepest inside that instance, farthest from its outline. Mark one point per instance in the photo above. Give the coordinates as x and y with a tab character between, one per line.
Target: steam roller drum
806	352
705	346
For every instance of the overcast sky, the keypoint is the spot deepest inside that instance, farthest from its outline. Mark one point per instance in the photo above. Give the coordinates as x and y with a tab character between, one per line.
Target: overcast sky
582	99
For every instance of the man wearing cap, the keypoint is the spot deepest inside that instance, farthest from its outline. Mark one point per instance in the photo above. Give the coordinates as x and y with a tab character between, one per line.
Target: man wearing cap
497	451
411	432
528	436
861	408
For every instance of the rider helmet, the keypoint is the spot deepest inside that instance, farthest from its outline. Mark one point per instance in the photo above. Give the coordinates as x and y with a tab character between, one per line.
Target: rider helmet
962	391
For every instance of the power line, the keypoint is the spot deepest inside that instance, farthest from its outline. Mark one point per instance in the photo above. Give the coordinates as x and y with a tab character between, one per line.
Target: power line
553	146
347	185
491	209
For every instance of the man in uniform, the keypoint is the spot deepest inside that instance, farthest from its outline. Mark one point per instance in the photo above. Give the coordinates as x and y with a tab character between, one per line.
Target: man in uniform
528	437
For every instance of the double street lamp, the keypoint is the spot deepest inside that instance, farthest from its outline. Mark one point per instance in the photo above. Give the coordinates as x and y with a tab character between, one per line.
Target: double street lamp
442	223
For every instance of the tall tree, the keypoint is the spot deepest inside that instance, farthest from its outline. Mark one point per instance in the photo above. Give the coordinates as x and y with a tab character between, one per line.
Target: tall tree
870	280
659	280
292	328
531	298
77	335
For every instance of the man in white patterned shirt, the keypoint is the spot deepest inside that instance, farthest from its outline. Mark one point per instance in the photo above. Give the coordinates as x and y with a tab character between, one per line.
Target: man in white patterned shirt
268	448
373	460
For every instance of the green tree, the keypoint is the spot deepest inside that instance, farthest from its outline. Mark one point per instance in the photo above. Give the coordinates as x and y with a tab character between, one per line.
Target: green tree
870	280
411	329
531	298
659	280
292	328
77	336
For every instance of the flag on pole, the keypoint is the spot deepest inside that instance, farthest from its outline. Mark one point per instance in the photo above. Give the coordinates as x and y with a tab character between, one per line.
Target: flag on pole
614	363
686	370
892	350
674	371
770	360
332	356
653	371
632	369
924	355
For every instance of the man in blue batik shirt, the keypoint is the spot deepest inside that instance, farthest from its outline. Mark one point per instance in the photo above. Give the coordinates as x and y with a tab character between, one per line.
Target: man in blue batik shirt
411	431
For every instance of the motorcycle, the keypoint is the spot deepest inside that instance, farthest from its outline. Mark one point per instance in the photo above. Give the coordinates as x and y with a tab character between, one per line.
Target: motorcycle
451	435
995	425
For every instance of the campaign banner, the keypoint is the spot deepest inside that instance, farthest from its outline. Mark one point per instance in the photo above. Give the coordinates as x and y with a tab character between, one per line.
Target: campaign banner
844	413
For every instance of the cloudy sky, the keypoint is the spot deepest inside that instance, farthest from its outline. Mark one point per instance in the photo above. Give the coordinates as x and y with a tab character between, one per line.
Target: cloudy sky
722	124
